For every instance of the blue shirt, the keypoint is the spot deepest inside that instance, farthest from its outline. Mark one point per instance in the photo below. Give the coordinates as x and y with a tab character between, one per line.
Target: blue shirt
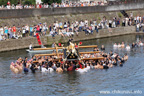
31	29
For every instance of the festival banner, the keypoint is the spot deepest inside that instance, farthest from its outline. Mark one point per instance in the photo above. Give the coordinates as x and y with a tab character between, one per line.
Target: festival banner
38	38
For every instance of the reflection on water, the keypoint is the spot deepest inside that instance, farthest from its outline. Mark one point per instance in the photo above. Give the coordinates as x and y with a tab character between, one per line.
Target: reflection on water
128	77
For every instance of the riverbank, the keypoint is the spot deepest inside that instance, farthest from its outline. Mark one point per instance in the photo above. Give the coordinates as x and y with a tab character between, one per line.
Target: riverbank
15	44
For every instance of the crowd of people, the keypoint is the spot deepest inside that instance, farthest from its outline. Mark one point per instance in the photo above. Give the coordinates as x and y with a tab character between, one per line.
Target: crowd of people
79	4
139	20
48	64
122	45
53	5
139	43
66	4
13	32
68	28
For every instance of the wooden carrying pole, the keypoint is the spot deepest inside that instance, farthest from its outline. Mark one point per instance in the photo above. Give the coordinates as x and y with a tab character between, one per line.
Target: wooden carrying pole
54	54
48	48
57	51
96	58
91	46
89	52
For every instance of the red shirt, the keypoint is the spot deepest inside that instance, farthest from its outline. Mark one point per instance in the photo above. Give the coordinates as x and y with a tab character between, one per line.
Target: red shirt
40	6
14	29
38	28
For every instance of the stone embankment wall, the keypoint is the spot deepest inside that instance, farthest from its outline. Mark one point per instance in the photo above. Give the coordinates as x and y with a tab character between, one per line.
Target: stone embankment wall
14	44
71	17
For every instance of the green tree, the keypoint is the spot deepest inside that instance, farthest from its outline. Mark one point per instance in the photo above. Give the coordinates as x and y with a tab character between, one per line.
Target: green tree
51	1
3	2
29	2
14	1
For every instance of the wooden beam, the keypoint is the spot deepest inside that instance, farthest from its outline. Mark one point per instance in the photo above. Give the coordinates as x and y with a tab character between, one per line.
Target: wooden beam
57	51
96	58
48	48
90	46
89	52
54	54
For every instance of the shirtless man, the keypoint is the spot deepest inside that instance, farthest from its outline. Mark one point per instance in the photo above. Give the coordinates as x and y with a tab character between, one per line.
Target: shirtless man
59	69
125	57
122	45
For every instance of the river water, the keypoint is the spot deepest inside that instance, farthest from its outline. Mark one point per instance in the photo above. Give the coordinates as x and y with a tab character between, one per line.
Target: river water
130	77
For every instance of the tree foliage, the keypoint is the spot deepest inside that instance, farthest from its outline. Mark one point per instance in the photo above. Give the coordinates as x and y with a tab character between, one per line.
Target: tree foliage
51	1
28	2
3	2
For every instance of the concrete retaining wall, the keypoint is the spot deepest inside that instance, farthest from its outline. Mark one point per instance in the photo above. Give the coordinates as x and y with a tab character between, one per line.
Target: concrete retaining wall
18	13
14	44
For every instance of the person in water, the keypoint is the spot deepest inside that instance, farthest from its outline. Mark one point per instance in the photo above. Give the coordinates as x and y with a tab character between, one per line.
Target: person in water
119	45
122	45
133	45
128	47
50	69
115	45
50	64
102	48
25	61
125	57
17	67
96	49
140	43
59	68
33	68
